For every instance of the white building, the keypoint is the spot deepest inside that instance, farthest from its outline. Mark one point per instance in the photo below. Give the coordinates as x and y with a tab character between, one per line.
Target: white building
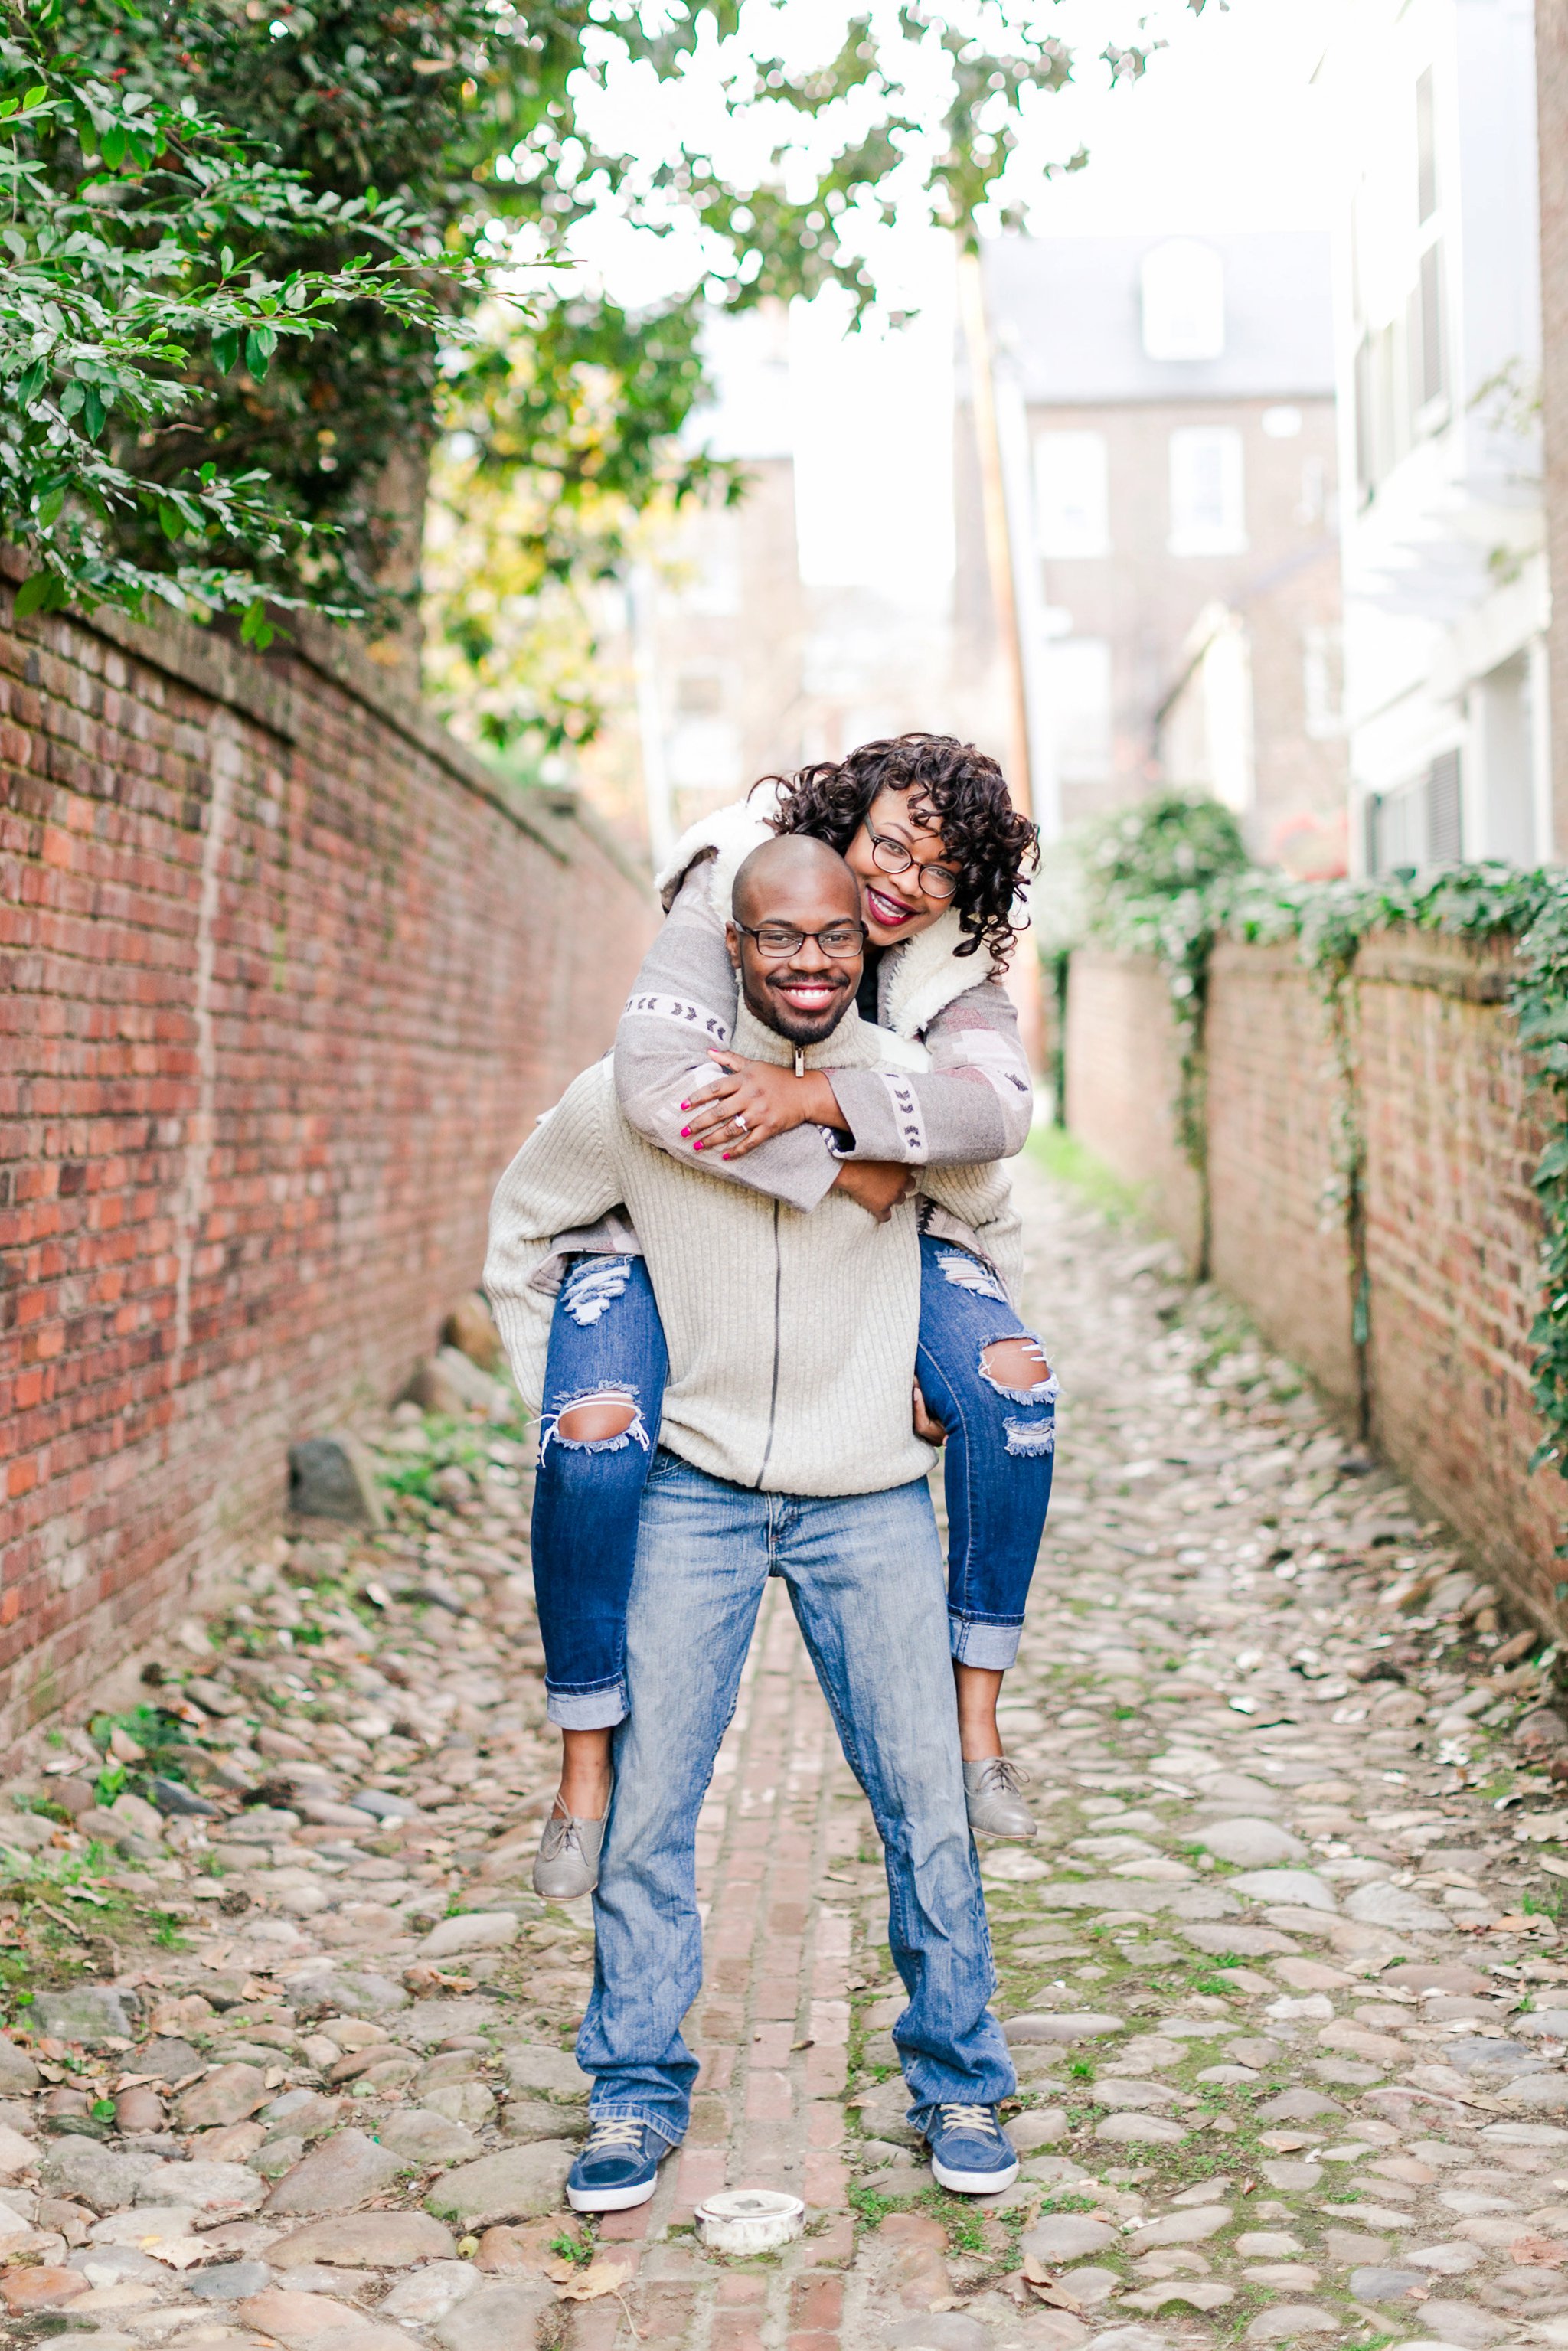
1439	341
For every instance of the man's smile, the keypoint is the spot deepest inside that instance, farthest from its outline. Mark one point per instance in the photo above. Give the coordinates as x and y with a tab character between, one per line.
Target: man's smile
808	992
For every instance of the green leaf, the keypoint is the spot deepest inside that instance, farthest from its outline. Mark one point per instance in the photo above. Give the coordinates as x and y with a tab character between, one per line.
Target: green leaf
42	593
49	508
34	97
259	346
256	629
227	348
30	383
113	148
171	520
94	410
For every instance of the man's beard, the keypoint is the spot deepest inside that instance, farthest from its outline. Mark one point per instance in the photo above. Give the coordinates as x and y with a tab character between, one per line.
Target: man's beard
777	1013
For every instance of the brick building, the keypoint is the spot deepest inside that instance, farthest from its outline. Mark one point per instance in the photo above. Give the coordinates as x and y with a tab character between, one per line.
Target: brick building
1179	605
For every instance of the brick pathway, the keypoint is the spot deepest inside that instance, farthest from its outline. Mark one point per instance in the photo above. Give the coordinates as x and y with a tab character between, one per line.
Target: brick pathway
1280	1974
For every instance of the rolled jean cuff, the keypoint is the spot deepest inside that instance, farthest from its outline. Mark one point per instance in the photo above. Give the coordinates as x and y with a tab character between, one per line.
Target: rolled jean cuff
991	1646
587	1709
615	2110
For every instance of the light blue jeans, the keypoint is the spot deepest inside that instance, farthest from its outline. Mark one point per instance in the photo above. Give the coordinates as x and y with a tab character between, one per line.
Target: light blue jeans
864	1577
606	1339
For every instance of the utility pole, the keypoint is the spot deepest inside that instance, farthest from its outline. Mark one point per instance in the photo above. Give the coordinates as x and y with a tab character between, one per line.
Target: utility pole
1003	550
642	619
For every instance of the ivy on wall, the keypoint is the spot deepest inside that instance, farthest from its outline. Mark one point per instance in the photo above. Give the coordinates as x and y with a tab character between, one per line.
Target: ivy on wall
1169	878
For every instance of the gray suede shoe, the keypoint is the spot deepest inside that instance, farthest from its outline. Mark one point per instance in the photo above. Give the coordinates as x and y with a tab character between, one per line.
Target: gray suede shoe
995	1807
566	1862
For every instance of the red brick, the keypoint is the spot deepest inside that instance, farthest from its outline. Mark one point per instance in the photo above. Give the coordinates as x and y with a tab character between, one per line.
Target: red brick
225	1220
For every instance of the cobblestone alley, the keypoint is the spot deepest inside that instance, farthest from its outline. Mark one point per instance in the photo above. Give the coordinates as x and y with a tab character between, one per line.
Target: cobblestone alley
1281	1973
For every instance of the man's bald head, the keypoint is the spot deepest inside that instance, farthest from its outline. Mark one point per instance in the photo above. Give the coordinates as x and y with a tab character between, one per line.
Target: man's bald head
787	865
799	891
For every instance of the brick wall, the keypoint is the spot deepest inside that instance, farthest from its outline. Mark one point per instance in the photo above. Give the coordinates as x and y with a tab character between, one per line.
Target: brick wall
1452	1231
1124	1066
287	982
1277	1236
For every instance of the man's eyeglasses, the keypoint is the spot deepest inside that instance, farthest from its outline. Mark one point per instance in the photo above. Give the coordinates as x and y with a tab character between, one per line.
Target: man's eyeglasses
937	881
840	942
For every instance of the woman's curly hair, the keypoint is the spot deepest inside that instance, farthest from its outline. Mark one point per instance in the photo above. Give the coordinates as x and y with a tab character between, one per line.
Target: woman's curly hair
993	848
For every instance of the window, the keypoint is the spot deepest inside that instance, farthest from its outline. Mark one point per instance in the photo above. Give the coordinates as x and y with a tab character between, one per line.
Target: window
1420	823
1323	681
1077	681
1445	819
1427	334
1184	301
1071	495
1425	150
1208	496
1428	373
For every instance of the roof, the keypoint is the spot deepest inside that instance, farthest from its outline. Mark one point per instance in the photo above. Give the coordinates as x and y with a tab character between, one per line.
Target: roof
1069	312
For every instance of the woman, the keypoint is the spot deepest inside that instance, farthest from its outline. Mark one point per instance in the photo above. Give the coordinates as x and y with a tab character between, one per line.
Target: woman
926	826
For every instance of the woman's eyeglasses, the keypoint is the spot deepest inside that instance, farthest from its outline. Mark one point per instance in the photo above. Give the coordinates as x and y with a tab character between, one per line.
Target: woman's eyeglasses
937	881
840	942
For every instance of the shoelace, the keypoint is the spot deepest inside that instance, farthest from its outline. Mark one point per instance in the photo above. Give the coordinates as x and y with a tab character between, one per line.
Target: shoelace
1005	1773
560	1836
970	2118
616	2135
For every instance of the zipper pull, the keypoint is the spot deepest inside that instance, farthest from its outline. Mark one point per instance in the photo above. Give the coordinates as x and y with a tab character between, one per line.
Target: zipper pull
800	1062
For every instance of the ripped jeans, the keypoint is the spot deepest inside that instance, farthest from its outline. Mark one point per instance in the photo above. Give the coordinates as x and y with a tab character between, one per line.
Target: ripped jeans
1002	1447
607	1343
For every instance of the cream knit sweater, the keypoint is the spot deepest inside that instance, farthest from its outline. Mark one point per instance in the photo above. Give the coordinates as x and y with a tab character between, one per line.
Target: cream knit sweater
791	1334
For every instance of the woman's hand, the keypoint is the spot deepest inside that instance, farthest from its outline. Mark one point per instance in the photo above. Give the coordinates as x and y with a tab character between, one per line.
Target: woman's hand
926	1426
753	1102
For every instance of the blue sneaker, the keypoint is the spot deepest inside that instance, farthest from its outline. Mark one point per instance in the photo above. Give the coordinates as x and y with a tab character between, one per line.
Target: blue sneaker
618	2168
970	2153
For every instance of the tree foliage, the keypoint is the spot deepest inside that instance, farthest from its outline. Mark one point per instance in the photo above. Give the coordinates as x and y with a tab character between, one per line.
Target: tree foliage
369	165
145	253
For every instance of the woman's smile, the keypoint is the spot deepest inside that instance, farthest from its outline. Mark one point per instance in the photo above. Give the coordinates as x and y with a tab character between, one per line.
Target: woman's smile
888	913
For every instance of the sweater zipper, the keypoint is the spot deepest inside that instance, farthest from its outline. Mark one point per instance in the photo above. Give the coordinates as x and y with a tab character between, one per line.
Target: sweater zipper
773	1394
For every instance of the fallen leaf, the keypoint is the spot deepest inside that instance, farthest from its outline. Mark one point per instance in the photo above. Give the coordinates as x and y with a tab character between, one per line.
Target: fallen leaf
1044	2287
1537	2253
600	2277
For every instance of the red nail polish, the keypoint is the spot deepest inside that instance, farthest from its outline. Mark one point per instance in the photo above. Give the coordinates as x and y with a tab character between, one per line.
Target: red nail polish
685	1131
697	1146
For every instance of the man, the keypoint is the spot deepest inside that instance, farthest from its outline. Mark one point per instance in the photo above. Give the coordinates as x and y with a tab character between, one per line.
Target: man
785	1447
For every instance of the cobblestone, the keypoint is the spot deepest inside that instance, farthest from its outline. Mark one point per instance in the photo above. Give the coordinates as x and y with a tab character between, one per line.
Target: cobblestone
1281	1973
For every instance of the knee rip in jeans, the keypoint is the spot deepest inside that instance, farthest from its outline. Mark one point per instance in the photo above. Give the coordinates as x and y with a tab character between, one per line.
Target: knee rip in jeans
966	1272
1017	1371
592	1286
603	1420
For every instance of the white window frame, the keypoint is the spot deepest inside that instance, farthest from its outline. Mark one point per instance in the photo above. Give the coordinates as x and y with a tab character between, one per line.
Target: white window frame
1223	532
